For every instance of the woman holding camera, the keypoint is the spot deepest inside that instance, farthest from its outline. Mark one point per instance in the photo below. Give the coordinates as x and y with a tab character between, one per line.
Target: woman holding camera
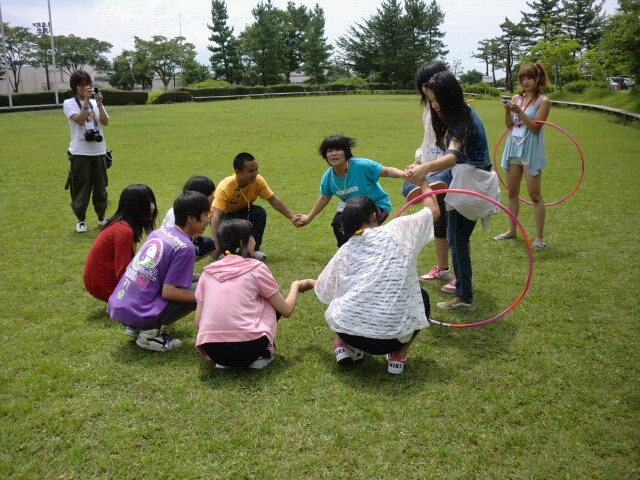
87	150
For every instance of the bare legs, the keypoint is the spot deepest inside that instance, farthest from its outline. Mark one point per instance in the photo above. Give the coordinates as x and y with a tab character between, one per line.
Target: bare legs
514	177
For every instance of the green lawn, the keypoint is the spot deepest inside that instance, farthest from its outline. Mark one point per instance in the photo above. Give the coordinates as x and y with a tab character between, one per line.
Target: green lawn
551	390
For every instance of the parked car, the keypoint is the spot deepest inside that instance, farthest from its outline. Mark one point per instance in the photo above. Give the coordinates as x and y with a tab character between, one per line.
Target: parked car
619	83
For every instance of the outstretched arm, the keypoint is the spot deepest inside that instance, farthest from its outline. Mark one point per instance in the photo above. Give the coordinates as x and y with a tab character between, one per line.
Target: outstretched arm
430	201
415	173
302	220
286	306
391	172
279	206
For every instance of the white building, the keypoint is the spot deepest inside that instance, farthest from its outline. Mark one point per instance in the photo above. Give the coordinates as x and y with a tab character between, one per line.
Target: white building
35	80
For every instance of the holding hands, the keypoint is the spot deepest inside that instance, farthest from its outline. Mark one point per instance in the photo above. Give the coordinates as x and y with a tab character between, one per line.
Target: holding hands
306	284
415	173
300	220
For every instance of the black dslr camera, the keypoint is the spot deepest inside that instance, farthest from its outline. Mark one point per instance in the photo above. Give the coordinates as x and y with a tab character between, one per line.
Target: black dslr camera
92	135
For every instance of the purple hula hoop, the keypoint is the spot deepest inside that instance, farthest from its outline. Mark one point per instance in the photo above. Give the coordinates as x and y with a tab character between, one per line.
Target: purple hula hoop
522	232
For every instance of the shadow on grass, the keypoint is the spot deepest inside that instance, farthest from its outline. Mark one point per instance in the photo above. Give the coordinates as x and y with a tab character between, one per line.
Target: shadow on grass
552	251
100	315
320	368
129	353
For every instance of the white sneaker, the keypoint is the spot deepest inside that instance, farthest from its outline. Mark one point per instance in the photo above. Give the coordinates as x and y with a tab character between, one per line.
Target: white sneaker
260	363
157	341
395	363
258	255
345	352
81	227
103	222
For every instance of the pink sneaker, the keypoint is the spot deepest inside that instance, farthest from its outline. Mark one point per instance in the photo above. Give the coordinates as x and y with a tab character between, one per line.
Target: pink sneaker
449	287
436	273
395	363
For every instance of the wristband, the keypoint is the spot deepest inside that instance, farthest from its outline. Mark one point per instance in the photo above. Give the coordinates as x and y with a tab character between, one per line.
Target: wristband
85	108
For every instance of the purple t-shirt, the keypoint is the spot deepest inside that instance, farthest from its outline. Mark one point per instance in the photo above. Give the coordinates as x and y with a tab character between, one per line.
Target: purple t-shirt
167	257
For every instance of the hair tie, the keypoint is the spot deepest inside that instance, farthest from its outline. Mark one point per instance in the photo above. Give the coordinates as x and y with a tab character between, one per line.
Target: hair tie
359	231
227	252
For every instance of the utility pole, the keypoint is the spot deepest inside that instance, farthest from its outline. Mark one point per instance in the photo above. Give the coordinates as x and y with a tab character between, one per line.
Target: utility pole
5	58
43	30
181	71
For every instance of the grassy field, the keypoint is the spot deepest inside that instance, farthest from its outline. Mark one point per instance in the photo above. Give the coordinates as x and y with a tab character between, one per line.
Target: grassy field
551	390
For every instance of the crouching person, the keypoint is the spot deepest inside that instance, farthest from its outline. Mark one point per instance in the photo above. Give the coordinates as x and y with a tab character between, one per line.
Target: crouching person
371	285
239	302
156	289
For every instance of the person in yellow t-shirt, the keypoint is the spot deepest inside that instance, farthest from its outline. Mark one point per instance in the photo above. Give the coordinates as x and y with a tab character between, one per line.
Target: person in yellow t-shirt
235	197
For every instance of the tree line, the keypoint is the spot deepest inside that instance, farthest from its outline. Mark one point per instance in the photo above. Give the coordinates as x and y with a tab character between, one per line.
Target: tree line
572	37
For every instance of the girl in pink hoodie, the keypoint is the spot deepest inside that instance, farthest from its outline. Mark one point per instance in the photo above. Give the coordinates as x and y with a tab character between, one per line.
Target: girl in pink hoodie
239	302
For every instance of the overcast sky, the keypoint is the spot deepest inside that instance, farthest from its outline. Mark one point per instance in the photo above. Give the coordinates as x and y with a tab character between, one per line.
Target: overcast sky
466	22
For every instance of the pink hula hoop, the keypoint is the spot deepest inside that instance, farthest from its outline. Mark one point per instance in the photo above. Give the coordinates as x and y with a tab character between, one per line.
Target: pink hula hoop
495	163
522	232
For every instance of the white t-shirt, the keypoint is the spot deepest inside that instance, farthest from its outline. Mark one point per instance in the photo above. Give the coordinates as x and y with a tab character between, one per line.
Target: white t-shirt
169	219
371	283
78	145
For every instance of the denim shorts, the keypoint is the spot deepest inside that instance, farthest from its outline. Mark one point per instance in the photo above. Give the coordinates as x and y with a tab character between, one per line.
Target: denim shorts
444	176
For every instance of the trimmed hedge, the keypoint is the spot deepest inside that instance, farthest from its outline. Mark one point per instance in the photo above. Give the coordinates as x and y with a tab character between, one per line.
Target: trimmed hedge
287	88
120	97
175	96
111	97
36	98
480	88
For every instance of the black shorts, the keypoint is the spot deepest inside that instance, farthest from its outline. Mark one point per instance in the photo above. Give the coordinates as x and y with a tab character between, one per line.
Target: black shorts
237	354
440	225
377	346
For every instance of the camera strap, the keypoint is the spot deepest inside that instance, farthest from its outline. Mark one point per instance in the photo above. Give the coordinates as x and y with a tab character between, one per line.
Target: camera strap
95	121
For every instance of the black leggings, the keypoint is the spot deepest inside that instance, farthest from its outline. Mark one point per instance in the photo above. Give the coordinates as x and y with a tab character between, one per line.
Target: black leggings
377	346
237	354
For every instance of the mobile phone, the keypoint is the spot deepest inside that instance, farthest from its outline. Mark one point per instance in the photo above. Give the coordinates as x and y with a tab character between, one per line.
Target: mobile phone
505	101
95	89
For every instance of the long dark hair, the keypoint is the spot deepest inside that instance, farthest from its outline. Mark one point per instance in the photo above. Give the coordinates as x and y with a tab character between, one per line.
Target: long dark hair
134	207
454	118
358	211
233	236
424	74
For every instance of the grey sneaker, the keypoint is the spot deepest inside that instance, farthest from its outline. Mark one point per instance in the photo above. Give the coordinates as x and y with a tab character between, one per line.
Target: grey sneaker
132	332
457	303
258	255
81	227
157	341
103	222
